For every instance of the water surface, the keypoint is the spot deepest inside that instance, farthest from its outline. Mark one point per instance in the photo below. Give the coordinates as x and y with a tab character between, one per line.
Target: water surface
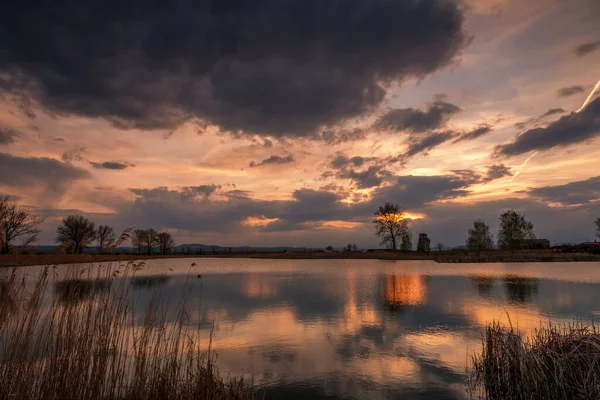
363	329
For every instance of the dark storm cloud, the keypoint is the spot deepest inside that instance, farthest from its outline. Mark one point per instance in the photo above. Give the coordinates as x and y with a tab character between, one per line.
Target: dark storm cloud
417	121
475	133
274	67
580	192
586	48
114	165
273	160
8	135
496	171
52	175
569	91
567	130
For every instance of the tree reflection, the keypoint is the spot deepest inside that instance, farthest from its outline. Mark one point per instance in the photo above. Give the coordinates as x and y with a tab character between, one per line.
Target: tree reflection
149	281
484	284
520	289
75	290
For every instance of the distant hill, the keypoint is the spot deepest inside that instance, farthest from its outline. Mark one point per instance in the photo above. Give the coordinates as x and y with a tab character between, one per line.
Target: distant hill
206	248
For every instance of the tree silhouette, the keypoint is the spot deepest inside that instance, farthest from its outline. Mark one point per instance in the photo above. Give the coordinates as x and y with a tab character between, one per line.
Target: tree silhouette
424	243
105	237
16	223
480	237
406	244
75	232
390	224
137	239
513	230
165	242
597	222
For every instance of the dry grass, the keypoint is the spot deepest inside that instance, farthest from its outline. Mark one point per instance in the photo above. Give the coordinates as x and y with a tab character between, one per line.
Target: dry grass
87	343
555	362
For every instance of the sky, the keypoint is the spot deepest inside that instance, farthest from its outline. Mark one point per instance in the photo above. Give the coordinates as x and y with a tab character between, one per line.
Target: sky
288	122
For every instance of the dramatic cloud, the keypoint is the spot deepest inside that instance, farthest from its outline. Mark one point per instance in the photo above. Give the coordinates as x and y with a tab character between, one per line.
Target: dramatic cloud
418	144
340	135
52	175
586	48
570	91
496	171
553	111
567	130
273	160
74	155
364	172
579	192
415	192
8	135
244	67
417	121
115	165
475	133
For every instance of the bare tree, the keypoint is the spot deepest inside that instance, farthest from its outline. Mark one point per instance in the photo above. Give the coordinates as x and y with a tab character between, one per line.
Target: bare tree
424	244
351	247
105	236
16	223
165	242
513	230
75	232
149	240
597	222
137	239
480	238
440	247
390	224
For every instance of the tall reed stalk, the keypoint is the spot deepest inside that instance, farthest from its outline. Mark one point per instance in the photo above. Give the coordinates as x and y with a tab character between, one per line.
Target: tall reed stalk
86	343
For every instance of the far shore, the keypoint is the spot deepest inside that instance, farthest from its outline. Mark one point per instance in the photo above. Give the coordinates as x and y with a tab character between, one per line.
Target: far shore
18	260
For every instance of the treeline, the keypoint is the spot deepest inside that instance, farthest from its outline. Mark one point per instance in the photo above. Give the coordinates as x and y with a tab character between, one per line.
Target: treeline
77	232
515	232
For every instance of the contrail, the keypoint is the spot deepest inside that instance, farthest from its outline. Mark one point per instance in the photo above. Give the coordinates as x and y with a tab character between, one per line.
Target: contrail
522	166
585	103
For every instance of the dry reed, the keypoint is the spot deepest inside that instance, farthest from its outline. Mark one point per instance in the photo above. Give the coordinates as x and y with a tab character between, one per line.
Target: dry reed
554	362
88	342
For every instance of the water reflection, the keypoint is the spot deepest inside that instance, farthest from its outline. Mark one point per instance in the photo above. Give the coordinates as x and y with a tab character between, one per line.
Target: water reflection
150	281
483	283
75	290
520	289
404	290
321	329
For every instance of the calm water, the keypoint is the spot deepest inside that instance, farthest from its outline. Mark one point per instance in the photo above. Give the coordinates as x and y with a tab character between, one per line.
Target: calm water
364	329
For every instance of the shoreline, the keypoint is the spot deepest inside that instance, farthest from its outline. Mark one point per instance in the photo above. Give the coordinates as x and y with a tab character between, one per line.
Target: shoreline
22	260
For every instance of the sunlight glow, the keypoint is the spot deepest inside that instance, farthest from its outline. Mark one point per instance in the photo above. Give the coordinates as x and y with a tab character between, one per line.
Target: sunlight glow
258	222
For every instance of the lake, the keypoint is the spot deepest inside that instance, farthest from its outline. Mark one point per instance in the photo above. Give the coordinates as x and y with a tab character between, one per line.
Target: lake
360	329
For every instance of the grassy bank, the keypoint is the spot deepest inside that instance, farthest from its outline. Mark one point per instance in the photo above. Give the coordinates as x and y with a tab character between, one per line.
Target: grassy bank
522	256
555	362
77	346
